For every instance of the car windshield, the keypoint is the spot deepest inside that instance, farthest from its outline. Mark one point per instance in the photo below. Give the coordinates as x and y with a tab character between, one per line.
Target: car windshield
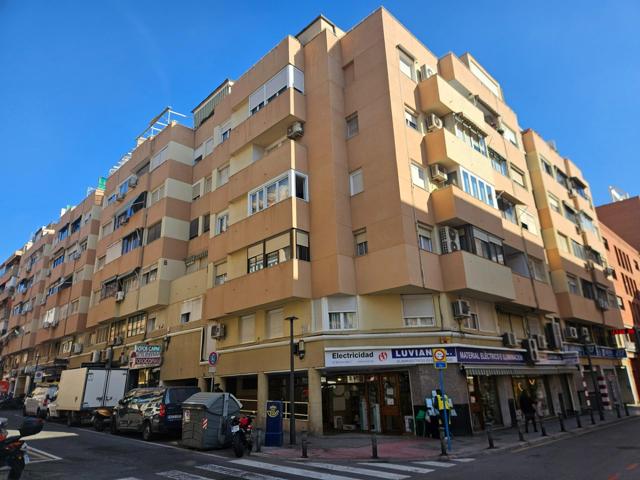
179	395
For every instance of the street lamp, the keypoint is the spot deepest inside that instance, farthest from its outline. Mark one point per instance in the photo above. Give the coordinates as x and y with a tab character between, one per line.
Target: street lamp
585	337
292	407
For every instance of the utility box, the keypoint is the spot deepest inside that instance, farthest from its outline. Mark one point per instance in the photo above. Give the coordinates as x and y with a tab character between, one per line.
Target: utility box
205	420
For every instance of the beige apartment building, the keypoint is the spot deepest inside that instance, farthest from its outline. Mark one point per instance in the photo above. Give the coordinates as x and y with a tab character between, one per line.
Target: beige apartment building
380	198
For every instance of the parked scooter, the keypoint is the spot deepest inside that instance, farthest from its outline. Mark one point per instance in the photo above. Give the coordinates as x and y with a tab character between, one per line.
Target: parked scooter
241	431
101	418
13	450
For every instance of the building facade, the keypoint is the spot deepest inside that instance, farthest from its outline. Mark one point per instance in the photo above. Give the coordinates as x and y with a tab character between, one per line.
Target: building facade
382	200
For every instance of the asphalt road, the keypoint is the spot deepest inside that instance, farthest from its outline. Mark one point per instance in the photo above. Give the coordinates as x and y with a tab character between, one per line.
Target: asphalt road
60	452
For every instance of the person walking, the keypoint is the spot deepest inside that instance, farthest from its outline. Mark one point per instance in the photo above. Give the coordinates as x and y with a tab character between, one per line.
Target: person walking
528	407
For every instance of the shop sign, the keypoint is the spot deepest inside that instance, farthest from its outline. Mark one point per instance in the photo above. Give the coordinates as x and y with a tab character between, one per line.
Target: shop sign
486	356
550	358
145	356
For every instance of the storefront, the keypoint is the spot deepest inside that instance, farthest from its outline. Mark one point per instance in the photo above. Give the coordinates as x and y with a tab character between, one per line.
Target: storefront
144	365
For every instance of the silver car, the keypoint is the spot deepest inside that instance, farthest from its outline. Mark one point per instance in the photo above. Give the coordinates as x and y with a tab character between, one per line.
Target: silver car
36	403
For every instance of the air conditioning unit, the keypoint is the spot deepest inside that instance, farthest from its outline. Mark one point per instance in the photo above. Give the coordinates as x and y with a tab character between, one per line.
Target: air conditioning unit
76	255
461	308
120	196
603	304
218	330
95	356
133	181
119	296
426	72
532	349
555	335
433	122
438	173
609	272
448	239
541	341
571	333
76	348
499	126
118	340
509	339
295	130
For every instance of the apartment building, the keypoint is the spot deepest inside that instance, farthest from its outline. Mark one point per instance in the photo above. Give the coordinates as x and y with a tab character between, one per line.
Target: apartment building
622	218
8	281
381	199
623	260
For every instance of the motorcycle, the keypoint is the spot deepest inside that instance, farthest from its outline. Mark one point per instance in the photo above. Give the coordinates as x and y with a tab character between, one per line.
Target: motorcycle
241	435
13	450
101	418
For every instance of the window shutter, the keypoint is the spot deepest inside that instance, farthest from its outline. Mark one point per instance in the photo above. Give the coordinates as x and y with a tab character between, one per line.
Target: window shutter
342	304
113	251
417	306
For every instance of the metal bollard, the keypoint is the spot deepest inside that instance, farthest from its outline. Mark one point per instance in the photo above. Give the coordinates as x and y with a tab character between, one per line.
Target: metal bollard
443	442
626	409
374	445
258	440
489	428
618	414
304	444
593	420
561	420
578	419
520	435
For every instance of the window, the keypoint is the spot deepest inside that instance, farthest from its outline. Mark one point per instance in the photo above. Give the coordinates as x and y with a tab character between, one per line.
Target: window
288	77
222	222
255	258
484	244
278	190
101	334
301	186
191	310
136	325
74	307
411	119
208	184
507	209
159	158
220	273
563	243
275	323
499	163
83	245
546	166
418	311
424	238
478	188
194	228
527	220
129	283
151	325
143	169
587	289
356	183
362	246
302	245
206	223
196	262
223	176
471	322
352	125
131	241
342	312
100	263
554	203
407	65
418	176
247	328
195	191
562	178
509	134
153	232
225	131
107	228
149	274
518	176
157	195
469	134
111	199
117	329
578	250
59	260
75	226
63	233
538	269
587	222
620	302
570	213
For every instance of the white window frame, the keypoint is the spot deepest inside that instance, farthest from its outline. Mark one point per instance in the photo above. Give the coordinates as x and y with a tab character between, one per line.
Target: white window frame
261	191
418	175
353	190
353	126
222	222
411	119
425	319
469	188
407	64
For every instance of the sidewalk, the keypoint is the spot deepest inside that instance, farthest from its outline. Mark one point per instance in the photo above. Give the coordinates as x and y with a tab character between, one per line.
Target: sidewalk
353	446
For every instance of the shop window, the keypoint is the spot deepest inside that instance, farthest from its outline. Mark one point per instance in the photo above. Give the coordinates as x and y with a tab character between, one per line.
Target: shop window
247	328
342	312
418	311
275	323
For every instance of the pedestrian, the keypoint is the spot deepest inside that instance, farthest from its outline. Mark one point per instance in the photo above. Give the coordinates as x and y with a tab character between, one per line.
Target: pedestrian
528	407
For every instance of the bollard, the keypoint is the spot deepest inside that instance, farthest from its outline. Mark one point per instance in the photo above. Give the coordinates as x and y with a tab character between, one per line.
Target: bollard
443	442
258	440
618	414
561	420
489	428
520	435
626	409
374	445
601	413
304	444
543	431
593	420
578	419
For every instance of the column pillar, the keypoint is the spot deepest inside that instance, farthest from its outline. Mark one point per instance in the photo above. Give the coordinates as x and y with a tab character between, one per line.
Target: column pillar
263	396
315	402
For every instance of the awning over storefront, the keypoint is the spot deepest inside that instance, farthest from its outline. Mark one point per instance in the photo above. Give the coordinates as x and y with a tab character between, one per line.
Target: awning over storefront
516	370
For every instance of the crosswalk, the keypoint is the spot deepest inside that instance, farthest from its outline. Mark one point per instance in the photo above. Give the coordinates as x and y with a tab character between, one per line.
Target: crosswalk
257	468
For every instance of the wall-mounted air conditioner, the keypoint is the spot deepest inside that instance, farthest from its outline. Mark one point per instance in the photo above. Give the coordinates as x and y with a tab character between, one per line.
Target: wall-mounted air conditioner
461	308
509	339
295	130
571	333
119	296
438	173
433	122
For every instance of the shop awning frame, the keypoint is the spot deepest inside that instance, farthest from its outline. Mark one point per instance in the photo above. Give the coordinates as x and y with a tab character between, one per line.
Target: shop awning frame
487	370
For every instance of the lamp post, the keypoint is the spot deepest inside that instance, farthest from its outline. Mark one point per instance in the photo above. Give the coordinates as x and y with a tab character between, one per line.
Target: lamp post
292	408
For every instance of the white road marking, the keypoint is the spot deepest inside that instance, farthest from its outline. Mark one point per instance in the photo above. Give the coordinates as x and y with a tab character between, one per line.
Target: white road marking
179	475
358	471
48	456
290	470
463	460
235	473
128	478
433	463
394	466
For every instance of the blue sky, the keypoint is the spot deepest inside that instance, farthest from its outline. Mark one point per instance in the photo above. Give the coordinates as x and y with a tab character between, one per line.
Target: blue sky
80	80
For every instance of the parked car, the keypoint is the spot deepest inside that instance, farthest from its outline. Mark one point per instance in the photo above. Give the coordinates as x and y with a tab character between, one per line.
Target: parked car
151	410
36	403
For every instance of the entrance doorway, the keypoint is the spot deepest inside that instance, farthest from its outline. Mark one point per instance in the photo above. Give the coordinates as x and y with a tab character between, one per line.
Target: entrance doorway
364	403
484	402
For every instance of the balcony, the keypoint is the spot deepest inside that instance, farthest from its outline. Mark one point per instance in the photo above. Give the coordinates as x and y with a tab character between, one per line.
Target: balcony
439	97
271	122
287	280
581	308
469	274
443	147
525	296
453	206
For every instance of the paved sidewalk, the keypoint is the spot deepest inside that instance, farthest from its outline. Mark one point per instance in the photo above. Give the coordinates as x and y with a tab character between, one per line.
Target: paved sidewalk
353	446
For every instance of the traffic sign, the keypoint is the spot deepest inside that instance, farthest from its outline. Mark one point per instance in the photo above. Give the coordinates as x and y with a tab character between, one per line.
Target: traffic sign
213	358
439	358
